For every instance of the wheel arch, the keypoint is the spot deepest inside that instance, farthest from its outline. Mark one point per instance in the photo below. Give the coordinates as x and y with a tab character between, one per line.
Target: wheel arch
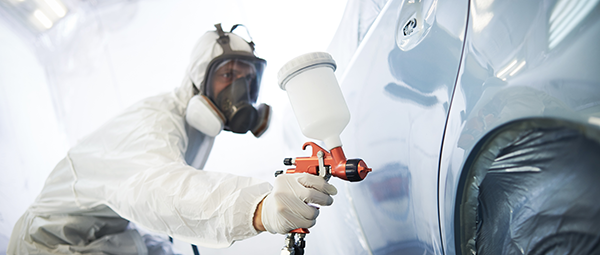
480	158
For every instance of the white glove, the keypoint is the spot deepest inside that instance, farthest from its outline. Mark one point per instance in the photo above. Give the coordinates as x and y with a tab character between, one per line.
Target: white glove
286	207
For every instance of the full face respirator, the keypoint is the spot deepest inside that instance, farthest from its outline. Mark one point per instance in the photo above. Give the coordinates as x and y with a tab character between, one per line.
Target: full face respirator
227	97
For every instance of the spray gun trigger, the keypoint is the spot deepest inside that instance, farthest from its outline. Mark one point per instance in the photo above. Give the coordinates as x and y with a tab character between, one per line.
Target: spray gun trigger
323	170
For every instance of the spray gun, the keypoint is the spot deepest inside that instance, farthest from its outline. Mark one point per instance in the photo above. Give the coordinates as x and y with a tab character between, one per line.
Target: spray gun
322	114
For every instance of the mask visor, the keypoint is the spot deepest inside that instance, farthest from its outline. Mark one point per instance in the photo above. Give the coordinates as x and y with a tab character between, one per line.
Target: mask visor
223	72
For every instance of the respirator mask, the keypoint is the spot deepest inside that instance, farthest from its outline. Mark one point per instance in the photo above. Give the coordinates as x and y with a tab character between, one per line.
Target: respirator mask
229	93
233	84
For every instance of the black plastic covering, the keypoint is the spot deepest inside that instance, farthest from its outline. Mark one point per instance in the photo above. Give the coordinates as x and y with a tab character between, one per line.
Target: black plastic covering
540	194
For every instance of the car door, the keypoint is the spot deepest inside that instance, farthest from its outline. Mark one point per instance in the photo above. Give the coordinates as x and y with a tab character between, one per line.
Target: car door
398	86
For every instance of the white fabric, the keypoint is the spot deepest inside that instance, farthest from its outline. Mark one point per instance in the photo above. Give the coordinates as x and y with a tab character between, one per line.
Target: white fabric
134	167
286	207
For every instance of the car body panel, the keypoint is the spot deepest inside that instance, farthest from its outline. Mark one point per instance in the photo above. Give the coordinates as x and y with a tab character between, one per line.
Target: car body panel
521	60
512	70
398	116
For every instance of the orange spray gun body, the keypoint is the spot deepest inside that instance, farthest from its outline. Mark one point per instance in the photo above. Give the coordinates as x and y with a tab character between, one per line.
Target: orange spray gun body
327	164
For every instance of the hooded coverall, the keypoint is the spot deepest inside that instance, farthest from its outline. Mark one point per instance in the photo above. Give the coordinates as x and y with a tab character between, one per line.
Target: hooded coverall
136	168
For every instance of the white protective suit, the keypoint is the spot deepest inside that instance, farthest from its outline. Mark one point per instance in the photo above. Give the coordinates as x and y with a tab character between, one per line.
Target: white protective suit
136	168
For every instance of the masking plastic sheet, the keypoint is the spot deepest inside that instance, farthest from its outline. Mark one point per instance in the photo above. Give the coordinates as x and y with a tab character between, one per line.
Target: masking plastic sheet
540	195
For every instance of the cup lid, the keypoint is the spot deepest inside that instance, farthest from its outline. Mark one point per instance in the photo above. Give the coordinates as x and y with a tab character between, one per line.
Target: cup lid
303	63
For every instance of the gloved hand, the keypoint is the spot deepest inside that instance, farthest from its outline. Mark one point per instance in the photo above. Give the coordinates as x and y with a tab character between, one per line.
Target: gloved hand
286	207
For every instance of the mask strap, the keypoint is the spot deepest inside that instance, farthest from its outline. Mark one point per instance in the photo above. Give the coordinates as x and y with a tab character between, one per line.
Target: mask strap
251	43
223	39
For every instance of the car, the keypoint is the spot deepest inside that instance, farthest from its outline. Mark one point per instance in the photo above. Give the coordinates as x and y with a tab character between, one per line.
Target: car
481	121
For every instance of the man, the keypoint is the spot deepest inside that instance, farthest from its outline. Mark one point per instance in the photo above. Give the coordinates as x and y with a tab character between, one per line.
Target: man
141	167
